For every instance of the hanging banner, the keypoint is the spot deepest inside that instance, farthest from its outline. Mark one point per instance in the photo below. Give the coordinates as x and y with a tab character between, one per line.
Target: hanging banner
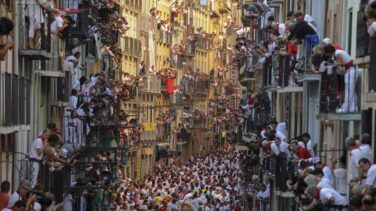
150	126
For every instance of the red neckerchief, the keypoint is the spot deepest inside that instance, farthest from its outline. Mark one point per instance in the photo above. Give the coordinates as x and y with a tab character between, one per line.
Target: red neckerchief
349	64
42	137
318	192
353	147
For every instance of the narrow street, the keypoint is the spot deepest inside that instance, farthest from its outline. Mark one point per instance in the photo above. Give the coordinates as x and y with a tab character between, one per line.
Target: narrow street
197	105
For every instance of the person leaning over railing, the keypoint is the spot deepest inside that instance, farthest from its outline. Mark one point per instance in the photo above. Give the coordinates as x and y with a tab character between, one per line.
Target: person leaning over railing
345	65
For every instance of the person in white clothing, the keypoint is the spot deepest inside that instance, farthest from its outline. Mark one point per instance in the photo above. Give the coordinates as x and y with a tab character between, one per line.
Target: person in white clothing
340	175
310	144
279	146
323	181
347	67
36	155
327	196
327	172
71	121
20	194
72	66
35	15
365	168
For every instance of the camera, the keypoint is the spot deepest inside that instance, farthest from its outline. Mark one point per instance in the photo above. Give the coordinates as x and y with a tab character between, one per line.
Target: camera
38	195
329	62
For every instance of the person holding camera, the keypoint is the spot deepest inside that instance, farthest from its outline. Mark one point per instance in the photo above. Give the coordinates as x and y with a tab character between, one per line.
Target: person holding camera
23	194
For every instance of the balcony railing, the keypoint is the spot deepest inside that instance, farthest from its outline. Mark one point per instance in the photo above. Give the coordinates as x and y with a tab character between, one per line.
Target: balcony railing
177	61
33	23
152	84
277	167
191	49
284	71
203	45
192	87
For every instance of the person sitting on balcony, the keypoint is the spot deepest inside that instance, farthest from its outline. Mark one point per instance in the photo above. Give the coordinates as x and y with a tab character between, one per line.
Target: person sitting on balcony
6	37
344	60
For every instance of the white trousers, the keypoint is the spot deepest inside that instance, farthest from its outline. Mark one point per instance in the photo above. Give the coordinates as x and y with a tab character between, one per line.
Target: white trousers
350	101
34	174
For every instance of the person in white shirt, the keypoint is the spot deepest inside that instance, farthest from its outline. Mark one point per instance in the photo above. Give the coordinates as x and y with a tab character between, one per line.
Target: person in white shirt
327	172
36	155
310	144
20	194
323	181
327	196
279	146
365	167
340	175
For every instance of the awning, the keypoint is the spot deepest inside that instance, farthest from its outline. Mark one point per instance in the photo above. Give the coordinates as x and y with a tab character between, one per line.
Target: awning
242	148
50	73
249	138
290	89
163	144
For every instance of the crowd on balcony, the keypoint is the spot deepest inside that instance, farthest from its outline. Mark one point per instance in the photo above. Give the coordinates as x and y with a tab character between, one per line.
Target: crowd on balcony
194	81
291	48
294	47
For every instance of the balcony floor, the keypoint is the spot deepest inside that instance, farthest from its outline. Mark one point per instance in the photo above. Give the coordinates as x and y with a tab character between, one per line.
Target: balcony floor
308	77
340	116
35	54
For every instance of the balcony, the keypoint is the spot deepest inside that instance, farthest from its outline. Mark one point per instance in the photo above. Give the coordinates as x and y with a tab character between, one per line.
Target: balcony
191	49
28	48
177	61
165	37
339	99
195	88
274	166
152	84
203	45
132	46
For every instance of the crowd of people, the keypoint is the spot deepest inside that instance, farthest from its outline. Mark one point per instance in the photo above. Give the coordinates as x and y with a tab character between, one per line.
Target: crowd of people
212	182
